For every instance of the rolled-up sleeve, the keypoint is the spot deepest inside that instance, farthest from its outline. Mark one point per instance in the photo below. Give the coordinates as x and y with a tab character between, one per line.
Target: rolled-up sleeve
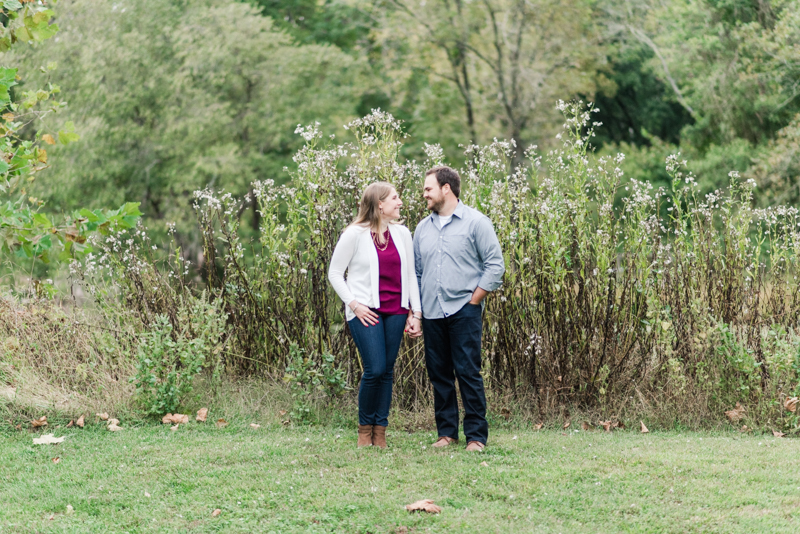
488	248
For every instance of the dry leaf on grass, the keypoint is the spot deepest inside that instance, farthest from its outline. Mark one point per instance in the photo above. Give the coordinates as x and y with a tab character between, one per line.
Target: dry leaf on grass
174	428
736	414
216	512
221	423
146	494
56	459
255	425
103	416
744	429
778	434
113	421
791	404
618	424
425	505
585	425
114	428
538	426
643	430
606	425
175	419
80	422
484	464
71	422
282	413
202	413
47	439
566	425
37	423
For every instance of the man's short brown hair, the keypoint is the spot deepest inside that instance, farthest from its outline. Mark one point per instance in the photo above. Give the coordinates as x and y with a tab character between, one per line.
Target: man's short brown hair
446	175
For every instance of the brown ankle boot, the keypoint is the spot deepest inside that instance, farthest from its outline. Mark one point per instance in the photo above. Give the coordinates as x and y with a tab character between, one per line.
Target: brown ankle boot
379	436
364	435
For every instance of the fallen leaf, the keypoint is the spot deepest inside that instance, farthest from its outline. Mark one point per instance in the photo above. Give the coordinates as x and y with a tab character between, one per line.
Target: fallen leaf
70	509
286	422
47	138
113	422
18	427
736	414
52	516
47	439
175	419
146	494
484	464
174	428
618	424
778	434
114	428
103	416
515	437
538	426
744	429
56	460
282	413
791	404
202	413
566	425
255	425
585	425
71	422
42	421
644	428
80	422
606	425
425	505
216	512
221	423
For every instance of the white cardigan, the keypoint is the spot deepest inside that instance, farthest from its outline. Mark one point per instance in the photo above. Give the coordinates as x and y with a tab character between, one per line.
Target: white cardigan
355	252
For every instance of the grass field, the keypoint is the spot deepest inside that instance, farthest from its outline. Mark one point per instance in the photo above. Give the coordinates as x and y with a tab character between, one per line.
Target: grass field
274	479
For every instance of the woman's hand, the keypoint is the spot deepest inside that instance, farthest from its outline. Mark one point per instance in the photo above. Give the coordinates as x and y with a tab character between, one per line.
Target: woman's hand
413	326
365	315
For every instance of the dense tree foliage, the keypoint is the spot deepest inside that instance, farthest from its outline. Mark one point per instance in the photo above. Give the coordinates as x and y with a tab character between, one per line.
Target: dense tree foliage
176	95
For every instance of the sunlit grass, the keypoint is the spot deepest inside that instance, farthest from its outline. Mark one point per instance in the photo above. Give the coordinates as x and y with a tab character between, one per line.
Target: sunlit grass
274	479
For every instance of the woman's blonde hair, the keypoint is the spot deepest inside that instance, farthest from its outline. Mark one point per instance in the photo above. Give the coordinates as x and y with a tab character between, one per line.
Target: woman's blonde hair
369	214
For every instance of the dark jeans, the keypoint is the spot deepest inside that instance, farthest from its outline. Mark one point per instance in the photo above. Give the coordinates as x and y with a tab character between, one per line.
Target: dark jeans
453	344
378	345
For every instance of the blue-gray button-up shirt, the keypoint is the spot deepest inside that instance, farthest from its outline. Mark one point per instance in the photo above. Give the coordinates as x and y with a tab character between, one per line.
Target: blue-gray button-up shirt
452	261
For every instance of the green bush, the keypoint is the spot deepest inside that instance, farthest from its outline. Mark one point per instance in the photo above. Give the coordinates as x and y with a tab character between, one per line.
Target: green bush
169	360
311	380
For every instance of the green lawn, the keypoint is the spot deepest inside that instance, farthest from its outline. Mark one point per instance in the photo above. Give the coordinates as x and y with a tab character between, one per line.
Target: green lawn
273	479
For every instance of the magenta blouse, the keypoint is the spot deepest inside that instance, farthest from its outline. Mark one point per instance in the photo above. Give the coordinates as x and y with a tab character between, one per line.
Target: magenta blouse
390	278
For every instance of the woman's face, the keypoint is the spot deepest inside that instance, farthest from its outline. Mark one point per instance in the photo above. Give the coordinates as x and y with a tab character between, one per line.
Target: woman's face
390	206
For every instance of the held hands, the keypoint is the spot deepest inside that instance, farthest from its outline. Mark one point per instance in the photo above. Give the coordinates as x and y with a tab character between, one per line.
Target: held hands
413	326
365	315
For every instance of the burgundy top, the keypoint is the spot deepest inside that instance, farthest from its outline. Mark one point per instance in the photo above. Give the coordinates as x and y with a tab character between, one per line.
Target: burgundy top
390	278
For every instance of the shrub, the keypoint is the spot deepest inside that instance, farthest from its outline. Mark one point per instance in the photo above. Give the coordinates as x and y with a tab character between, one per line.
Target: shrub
169	360
615	292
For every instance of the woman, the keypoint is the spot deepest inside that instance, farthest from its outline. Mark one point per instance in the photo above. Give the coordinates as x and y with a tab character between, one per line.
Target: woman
381	299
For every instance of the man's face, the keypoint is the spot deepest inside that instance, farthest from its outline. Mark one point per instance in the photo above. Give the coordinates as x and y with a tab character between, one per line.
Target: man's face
433	193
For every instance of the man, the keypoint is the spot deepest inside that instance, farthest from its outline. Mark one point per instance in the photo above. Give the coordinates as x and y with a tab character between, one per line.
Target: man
458	262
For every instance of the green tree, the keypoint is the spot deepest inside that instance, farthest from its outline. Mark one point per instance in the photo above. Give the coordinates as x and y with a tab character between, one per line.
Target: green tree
25	230
181	96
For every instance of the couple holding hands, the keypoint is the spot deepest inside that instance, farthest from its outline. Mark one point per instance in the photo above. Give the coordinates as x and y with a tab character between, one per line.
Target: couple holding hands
433	284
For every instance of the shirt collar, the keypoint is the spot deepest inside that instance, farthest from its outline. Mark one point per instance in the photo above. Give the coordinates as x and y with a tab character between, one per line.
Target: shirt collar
459	211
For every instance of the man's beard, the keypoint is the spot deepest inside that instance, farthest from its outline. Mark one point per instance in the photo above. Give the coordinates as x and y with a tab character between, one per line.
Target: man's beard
437	206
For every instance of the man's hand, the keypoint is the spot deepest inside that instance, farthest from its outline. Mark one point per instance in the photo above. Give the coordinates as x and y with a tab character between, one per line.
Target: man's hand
413	327
478	295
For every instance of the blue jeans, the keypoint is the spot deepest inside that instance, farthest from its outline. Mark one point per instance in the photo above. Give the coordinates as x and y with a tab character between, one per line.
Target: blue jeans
378	345
453	351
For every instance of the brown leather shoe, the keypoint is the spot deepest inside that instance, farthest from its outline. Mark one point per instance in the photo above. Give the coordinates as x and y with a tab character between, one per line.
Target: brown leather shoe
379	436
475	446
444	441
364	436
